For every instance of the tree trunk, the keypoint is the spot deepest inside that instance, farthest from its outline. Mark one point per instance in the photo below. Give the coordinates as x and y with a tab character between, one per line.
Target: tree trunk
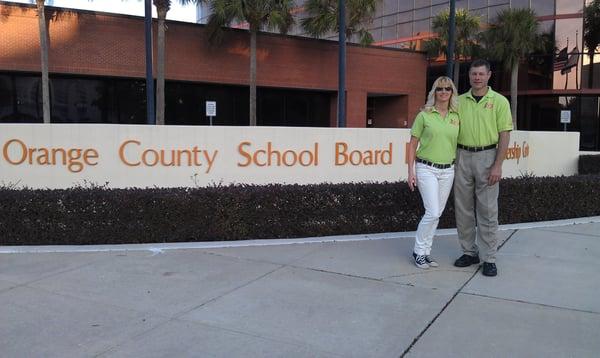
591	71
456	73
253	33
160	67
44	54
514	77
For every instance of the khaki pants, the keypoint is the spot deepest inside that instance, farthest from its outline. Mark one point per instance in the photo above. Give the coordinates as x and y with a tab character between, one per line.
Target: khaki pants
476	203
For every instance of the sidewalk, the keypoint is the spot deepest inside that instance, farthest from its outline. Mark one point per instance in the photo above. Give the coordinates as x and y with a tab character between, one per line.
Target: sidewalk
352	297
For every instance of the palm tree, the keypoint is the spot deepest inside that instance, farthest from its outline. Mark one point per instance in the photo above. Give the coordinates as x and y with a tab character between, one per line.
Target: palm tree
467	28
270	14
43	29
513	36
591	34
322	18
162	7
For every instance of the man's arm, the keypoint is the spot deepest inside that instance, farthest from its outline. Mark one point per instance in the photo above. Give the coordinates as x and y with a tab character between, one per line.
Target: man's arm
496	171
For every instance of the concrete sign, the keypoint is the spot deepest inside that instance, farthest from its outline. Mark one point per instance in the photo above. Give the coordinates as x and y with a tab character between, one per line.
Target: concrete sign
121	156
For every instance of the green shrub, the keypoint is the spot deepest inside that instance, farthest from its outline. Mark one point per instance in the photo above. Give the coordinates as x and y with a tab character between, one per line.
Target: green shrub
99	215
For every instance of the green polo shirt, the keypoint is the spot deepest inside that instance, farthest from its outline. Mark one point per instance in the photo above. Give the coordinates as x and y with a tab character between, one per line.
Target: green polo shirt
437	136
481	122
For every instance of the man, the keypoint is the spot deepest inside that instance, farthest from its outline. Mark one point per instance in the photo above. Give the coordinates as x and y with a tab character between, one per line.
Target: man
485	125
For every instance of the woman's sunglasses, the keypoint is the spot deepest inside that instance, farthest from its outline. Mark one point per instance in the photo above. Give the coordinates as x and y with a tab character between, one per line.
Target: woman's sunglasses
440	89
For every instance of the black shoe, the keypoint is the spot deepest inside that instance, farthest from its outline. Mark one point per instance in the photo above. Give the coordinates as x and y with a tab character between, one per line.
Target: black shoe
489	269
466	260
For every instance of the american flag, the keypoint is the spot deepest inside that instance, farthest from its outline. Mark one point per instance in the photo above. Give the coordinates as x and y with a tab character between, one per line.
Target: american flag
561	59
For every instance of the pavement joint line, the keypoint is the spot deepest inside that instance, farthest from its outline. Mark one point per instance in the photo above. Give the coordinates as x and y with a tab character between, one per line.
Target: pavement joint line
257	335
530	303
60	272
159	247
572	233
177	315
416	339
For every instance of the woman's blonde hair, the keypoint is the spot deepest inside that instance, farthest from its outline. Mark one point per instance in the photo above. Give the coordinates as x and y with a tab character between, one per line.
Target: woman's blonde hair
442	81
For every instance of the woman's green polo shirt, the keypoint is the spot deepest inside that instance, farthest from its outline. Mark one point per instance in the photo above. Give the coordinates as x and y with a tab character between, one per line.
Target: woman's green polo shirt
437	136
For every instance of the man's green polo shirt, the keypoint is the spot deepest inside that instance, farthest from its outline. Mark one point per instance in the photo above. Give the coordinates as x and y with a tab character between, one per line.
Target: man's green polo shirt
437	136
481	122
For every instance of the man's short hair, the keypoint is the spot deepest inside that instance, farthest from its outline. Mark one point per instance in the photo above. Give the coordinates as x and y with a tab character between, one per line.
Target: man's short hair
479	63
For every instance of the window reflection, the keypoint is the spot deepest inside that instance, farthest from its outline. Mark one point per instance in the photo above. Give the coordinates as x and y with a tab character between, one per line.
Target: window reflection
543	7
569	6
567	62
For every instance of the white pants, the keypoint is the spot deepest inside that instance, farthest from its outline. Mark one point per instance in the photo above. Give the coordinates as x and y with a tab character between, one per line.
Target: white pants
434	185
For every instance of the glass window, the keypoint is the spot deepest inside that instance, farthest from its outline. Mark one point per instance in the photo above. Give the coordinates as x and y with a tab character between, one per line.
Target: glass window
477	4
77	100
7	101
437	9
29	99
569	6
421	27
389	33
498	2
423	13
405	16
543	7
518	4
437	2
567	63
495	10
589	123
390	7
405	5
461	4
421	3
481	13
405	30
389	20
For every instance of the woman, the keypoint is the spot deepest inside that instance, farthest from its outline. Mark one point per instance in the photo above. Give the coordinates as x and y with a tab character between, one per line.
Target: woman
434	132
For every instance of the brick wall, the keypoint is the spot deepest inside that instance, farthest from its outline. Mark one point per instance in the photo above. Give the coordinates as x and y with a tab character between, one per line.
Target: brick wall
88	43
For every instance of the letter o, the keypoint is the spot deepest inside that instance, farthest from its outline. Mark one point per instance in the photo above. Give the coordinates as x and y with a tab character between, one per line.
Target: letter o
23	151
352	157
145	159
285	156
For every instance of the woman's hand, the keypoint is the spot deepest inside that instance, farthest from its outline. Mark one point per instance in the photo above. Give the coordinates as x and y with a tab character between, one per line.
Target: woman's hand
412	180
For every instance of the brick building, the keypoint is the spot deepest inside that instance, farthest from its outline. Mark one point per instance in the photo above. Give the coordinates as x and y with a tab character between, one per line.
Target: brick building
97	73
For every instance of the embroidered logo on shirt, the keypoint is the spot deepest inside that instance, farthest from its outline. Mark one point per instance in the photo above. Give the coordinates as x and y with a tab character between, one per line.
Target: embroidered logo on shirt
454	122
489	105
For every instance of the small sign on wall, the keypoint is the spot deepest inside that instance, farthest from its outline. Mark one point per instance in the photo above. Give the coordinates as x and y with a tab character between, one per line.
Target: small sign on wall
211	108
565	116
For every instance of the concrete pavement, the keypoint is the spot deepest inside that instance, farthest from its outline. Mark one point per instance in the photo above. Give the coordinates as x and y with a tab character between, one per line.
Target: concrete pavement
351	296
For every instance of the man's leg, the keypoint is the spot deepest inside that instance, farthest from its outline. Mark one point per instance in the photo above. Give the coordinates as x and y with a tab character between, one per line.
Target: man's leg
487	206
464	186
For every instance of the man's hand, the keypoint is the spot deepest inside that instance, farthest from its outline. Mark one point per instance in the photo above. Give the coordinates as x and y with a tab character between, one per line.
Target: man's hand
412	181
495	174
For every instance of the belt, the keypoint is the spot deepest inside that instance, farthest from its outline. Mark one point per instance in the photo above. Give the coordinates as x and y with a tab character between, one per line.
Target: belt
435	165
476	149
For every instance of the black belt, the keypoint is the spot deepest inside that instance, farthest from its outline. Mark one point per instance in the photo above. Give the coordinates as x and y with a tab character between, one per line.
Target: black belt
476	149
435	165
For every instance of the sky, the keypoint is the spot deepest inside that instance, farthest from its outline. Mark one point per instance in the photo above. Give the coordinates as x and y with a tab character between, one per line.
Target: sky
130	7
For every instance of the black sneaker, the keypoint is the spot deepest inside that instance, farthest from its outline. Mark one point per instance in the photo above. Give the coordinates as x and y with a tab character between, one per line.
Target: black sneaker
489	269
466	260
420	261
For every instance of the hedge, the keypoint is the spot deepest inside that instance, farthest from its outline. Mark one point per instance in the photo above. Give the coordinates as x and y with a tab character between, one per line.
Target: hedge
116	216
589	164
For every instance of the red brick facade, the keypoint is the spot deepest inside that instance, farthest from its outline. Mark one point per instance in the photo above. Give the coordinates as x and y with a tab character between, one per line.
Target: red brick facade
89	43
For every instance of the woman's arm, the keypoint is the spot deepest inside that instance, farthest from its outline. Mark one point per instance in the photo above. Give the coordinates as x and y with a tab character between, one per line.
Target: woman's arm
412	150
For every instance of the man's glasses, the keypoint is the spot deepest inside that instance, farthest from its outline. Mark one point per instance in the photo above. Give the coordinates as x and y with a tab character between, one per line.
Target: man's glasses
440	89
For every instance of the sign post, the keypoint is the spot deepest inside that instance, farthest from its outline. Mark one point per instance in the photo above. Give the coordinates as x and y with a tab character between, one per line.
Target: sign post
565	118
211	110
